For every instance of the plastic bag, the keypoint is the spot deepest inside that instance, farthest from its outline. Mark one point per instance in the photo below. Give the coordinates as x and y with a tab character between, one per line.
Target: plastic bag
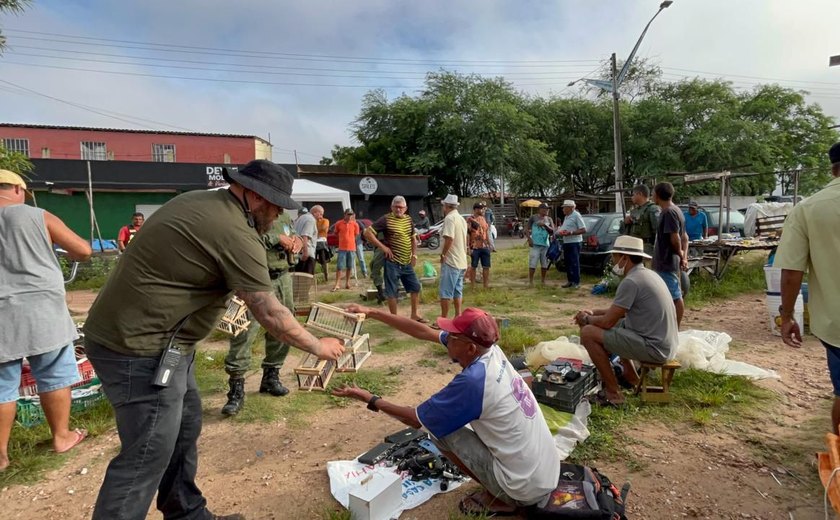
429	270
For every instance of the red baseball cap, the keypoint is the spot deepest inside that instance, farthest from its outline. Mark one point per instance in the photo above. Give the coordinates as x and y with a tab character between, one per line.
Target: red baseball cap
474	324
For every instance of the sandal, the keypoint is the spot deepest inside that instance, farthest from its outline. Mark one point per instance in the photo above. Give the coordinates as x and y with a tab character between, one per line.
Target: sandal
421	320
80	436
601	400
334	289
470	505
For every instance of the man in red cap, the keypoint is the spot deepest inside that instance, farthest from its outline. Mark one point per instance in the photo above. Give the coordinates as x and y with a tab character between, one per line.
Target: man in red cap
507	447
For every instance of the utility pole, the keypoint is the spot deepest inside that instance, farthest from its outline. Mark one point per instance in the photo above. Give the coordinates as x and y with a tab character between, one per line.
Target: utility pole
619	170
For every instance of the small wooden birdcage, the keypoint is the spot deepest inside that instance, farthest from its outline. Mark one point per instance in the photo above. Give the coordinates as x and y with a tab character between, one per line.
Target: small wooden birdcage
302	284
314	373
334	321
356	352
235	320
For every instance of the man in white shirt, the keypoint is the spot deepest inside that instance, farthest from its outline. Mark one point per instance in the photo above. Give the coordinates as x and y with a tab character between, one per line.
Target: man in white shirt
508	447
572	231
453	256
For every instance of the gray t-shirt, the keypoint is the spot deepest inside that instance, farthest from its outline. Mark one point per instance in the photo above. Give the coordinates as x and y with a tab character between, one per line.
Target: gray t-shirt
305	226
650	309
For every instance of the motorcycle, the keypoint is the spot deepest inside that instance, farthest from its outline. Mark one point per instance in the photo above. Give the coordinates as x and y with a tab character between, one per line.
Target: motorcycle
430	237
515	228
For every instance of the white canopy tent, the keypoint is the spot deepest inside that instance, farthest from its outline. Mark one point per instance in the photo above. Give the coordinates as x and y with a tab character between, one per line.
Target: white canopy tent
310	193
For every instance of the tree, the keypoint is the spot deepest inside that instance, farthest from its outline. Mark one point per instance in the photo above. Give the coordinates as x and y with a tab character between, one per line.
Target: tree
14	7
14	161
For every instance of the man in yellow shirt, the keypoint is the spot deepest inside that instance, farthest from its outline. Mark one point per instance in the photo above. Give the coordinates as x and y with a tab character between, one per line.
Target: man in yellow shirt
810	243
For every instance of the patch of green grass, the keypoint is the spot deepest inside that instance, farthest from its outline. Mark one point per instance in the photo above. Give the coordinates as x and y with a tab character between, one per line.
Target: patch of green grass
210	371
427	363
744	275
30	448
514	339
376	381
294	408
333	514
395	344
698	399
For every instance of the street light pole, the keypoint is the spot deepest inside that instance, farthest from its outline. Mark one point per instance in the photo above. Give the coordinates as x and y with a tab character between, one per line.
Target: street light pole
619	159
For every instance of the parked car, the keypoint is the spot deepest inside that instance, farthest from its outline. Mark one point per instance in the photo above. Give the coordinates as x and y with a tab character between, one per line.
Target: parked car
736	219
601	231
332	237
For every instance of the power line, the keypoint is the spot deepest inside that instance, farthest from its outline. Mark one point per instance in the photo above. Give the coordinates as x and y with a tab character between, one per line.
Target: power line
186	49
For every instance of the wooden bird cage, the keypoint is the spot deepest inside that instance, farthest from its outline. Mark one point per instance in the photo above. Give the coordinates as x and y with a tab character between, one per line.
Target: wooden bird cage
314	373
334	321
302	284
235	320
356	352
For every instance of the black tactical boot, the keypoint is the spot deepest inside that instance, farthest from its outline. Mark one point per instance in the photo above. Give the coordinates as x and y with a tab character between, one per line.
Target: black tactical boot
236	396
380	294
271	383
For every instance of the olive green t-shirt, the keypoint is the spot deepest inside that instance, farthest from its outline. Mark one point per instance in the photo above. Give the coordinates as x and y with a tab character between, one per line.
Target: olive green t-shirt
192	253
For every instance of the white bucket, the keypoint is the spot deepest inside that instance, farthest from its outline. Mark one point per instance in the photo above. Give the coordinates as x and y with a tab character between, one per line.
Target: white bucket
773	275
774	300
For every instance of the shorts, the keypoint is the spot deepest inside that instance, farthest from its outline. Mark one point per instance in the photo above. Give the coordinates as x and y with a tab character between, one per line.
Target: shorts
396	273
629	345
482	255
832	354
52	370
345	261
672	281
451	282
537	255
476	456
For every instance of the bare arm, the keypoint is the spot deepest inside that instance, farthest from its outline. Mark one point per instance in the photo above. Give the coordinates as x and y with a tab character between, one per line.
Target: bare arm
370	234
447	244
606	320
791	285
405	414
280	323
401	323
57	231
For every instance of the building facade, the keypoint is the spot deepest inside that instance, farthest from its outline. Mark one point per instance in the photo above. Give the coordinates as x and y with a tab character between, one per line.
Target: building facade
104	144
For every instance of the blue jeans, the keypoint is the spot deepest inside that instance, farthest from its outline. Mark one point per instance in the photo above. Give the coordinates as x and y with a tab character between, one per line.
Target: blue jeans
345	261
158	429
571	257
52	371
396	273
451	282
360	255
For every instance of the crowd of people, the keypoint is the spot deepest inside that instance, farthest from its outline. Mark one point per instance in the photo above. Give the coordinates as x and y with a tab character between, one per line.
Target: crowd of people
176	271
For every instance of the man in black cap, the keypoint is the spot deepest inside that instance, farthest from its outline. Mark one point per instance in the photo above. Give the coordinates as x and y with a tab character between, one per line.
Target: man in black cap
810	242
165	295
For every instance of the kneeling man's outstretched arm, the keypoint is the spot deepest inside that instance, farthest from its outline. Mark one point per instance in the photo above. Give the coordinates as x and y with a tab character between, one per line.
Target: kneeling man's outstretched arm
405	414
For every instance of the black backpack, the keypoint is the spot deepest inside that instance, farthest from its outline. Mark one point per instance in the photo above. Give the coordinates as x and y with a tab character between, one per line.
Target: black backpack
583	493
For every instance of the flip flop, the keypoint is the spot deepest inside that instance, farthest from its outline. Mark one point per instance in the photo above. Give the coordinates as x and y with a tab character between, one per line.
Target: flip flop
334	289
601	400
422	320
80	436
472	506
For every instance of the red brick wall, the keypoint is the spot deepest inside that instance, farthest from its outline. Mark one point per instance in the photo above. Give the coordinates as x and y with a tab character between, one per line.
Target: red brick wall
128	146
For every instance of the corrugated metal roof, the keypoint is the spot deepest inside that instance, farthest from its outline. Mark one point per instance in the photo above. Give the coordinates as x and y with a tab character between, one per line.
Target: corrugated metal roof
128	130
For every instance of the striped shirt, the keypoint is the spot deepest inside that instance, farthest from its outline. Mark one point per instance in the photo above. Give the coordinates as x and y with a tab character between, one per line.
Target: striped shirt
399	233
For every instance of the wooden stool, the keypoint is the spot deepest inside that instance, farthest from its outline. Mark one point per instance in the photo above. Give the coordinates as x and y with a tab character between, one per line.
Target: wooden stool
656	394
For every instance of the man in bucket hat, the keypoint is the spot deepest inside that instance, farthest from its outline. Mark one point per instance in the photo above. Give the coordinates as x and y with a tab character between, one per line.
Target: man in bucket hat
507	447
166	294
640	325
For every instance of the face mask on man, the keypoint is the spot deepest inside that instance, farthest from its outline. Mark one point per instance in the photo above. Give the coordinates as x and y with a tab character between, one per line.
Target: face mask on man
618	270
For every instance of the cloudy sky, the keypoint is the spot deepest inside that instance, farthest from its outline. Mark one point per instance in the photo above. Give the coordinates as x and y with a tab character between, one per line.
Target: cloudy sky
295	71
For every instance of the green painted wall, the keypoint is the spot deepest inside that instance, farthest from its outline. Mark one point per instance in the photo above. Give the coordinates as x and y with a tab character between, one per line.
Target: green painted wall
113	209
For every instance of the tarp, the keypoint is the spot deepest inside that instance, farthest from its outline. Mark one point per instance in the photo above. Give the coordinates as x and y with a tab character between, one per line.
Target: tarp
763	209
310	193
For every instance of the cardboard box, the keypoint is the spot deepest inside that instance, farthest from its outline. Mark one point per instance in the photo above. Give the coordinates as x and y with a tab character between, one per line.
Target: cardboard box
378	498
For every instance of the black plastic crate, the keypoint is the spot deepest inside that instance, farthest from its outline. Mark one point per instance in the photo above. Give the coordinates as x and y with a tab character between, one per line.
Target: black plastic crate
564	397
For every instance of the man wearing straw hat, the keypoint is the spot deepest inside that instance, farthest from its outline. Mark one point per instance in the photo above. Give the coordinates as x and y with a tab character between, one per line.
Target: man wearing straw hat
32	295
165	295
810	242
640	325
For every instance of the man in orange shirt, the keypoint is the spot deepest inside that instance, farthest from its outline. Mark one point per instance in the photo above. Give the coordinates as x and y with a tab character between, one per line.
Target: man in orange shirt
127	232
347	231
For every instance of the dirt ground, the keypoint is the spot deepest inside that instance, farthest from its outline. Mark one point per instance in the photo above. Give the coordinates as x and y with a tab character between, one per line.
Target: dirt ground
273	471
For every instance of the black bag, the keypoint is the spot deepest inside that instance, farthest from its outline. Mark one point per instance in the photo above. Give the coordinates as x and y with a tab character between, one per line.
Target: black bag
583	493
